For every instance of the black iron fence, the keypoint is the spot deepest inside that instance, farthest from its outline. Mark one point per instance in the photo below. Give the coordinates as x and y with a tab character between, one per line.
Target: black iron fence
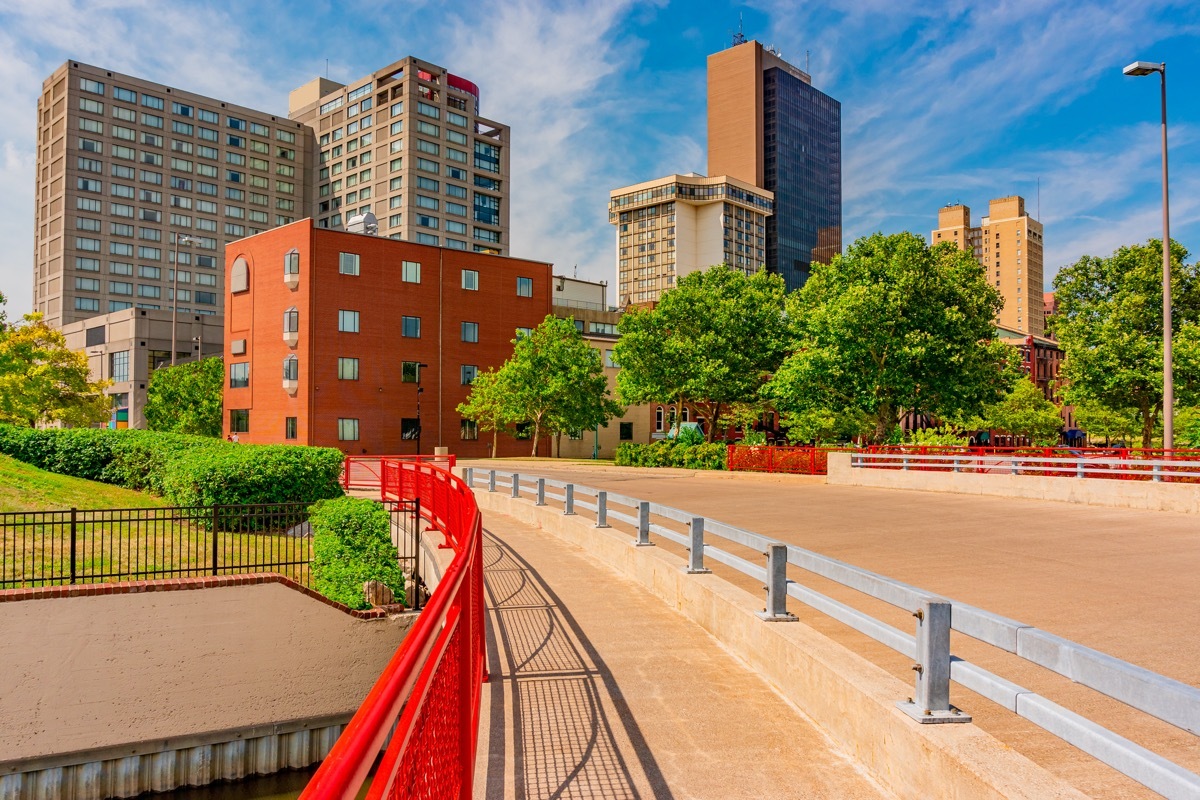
50	548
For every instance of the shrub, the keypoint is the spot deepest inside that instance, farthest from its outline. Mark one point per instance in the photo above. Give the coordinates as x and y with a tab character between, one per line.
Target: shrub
229	474
672	454
352	544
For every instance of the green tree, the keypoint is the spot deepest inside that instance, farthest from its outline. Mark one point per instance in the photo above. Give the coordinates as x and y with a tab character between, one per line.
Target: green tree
1025	411
485	405
555	381
1110	324
43	382
1114	424
894	326
1187	427
187	398
712	341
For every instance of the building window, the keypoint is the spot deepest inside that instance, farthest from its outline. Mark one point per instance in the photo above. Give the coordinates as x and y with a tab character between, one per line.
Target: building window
291	320
239	375
239	420
347	369
410	327
603	327
410	272
658	418
470	280
626	431
608	359
468	373
410	428
289	427
239	276
291	368
470	331
348	264
348	430
118	366
410	371
347	321
524	332
468	430
291	263
524	287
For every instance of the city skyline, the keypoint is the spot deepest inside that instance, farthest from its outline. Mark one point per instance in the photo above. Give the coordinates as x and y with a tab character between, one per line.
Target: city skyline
1035	94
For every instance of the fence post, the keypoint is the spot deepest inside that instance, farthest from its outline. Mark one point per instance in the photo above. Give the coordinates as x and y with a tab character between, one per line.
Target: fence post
602	509
541	491
1158	470
696	549
569	500
492	481
957	467
469	477
931	702
643	529
906	462
216	517
516	485
74	538
1079	468
776	610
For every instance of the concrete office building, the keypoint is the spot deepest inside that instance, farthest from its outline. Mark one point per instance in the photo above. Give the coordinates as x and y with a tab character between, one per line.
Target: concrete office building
1008	243
126	168
358	342
407	143
679	224
768	127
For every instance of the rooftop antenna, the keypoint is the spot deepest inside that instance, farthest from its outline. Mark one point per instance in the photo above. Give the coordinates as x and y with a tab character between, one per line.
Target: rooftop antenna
575	272
739	37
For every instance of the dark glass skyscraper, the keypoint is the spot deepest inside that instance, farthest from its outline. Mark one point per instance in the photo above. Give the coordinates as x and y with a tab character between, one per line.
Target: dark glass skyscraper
769	126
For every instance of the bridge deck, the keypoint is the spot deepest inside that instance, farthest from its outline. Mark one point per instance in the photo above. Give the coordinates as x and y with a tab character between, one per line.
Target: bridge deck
599	690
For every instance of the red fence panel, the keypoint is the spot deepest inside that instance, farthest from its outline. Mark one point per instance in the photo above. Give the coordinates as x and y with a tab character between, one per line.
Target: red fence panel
365	472
430	690
801	460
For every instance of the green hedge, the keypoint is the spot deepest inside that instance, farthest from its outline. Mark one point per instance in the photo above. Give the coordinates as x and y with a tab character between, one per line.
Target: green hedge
186	470
671	454
352	544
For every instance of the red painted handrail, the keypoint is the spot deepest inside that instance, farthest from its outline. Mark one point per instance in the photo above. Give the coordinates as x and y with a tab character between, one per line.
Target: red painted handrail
431	688
365	472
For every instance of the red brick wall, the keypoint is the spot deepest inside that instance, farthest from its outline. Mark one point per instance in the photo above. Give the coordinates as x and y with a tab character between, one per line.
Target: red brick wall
379	399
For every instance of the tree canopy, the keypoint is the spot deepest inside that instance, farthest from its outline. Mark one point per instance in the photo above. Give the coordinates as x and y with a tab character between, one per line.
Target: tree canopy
1025	411
1109	321
892	326
485	405
187	398
711	341
43	382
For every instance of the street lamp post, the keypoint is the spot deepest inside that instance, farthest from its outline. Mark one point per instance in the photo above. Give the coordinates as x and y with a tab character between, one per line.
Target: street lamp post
180	238
1138	69
420	391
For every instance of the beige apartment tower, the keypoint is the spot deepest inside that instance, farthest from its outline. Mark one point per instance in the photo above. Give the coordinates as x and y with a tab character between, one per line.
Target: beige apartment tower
407	144
669	227
1008	244
125	167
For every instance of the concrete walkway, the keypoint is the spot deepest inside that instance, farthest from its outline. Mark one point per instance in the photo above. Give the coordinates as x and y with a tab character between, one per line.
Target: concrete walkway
598	690
1121	581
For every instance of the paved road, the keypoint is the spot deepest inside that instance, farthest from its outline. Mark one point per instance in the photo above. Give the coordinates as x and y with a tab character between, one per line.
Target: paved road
1121	581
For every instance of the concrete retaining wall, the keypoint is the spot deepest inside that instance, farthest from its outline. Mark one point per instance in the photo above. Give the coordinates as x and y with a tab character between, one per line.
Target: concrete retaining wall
1146	495
849	698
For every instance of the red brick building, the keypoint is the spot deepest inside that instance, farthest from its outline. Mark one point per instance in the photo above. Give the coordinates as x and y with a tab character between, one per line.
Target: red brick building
330	335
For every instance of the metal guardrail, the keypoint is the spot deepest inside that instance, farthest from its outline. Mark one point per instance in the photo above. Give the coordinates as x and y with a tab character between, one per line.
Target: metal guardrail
1161	697
366	472
1155	469
425	705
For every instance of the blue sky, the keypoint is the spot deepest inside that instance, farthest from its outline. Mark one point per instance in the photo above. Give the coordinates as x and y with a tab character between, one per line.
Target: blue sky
941	101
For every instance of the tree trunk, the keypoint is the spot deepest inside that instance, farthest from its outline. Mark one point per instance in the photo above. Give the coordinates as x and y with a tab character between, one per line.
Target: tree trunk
883	423
495	440
537	433
1149	417
715	417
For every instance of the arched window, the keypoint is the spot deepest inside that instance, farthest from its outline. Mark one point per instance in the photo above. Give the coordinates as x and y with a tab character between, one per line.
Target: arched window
658	418
239	276
685	413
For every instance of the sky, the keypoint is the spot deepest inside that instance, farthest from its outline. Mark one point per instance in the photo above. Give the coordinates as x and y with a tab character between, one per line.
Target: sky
942	102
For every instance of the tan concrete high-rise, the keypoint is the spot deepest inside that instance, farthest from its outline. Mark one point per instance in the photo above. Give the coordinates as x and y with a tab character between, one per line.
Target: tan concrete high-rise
1008	244
125	166
407	144
672	226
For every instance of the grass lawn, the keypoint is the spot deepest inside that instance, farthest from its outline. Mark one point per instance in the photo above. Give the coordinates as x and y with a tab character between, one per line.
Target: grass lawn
26	488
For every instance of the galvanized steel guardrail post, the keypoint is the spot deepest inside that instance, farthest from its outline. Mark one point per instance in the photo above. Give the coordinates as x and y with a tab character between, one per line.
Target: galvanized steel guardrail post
541	492
931	701
516	485
469	477
696	549
569	499
643	528
492	481
776	610
602	509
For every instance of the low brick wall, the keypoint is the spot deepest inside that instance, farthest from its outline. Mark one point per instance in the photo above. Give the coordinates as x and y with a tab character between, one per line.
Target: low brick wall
1144	495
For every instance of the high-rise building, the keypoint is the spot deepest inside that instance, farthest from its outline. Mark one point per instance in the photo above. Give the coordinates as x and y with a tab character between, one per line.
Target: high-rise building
669	227
126	167
407	143
1008	243
768	126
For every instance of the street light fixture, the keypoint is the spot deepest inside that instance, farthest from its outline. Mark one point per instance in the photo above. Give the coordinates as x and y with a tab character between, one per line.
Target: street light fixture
1139	69
184	239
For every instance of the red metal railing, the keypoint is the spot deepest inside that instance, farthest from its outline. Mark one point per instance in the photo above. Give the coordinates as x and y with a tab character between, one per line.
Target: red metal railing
808	460
366	472
431	688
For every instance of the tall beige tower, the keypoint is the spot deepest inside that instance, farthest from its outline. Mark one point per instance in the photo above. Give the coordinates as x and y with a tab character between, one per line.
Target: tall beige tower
125	167
1008	244
407	143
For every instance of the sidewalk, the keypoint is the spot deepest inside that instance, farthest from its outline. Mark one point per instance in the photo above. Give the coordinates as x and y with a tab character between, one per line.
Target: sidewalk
599	690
